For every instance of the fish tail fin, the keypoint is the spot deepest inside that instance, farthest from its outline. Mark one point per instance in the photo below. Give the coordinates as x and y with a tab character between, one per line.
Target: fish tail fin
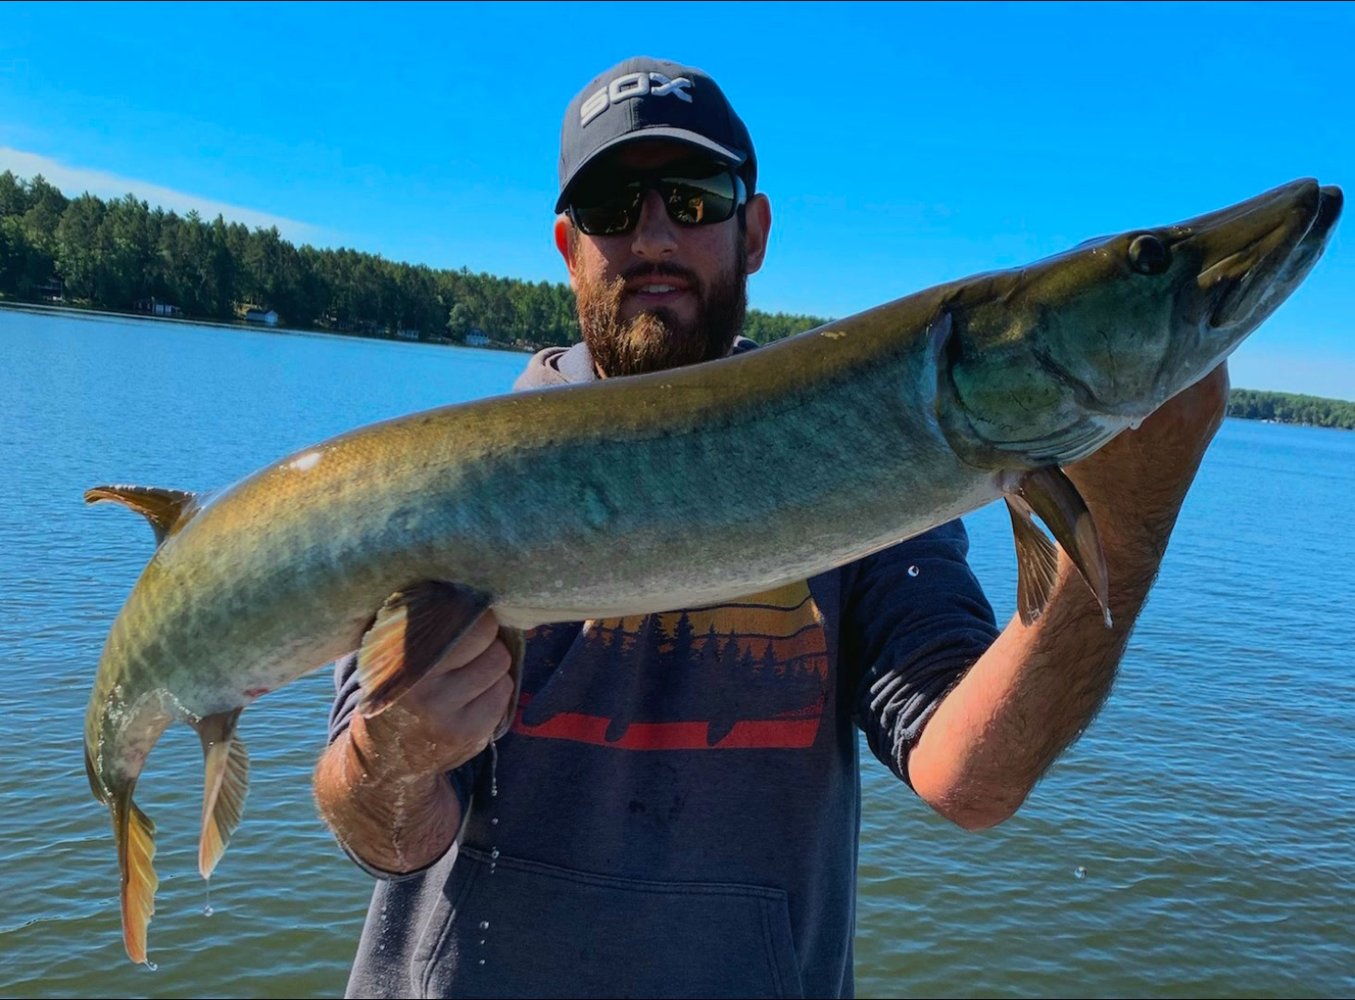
225	785
135	835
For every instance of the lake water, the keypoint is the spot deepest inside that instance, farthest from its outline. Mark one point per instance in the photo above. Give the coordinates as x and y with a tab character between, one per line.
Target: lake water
1199	840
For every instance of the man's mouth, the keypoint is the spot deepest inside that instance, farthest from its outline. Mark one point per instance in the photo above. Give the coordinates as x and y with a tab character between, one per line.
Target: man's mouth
656	292
664	286
656	286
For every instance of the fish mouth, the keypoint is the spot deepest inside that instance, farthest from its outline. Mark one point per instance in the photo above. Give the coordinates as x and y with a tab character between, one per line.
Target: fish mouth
1285	235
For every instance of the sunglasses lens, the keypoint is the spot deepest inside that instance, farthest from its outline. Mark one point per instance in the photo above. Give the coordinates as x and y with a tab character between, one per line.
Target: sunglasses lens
608	204
604	210
699	201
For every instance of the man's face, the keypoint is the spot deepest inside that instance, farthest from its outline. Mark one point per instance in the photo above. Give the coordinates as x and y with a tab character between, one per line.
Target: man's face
664	294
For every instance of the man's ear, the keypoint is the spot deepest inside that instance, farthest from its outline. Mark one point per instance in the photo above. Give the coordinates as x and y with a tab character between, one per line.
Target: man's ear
566	241
759	226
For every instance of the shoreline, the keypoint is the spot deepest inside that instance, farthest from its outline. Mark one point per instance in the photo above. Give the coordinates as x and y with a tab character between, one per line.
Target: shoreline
82	312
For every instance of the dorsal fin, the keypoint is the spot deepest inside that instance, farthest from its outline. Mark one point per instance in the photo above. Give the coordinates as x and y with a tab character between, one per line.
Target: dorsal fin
166	510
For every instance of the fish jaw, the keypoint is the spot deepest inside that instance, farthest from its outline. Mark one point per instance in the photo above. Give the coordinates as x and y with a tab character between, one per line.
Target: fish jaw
1250	284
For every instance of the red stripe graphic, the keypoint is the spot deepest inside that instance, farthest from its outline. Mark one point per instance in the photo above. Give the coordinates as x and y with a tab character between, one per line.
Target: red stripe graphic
796	730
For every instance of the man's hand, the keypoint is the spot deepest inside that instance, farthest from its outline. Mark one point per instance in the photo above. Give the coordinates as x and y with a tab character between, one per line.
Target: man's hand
381	785
1135	485
448	717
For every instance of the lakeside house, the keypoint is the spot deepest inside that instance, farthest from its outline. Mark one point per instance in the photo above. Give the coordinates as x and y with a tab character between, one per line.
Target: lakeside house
477	338
269	317
157	308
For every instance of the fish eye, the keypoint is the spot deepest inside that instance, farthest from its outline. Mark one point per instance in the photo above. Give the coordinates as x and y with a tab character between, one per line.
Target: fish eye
1149	255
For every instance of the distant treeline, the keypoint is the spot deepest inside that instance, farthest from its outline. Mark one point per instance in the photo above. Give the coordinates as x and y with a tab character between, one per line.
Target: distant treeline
123	255
1287	408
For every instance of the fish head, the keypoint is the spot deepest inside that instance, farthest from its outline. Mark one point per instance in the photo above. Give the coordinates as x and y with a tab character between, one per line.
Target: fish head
1049	361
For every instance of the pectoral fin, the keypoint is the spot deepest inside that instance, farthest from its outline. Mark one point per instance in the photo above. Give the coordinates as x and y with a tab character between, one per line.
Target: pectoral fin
411	632
1037	561
1052	495
225	784
135	836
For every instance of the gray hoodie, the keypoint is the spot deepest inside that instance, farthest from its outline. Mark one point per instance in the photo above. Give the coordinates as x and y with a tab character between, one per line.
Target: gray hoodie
675	811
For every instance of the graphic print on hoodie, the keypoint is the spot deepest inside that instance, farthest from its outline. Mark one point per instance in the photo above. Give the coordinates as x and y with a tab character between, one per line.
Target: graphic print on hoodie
749	674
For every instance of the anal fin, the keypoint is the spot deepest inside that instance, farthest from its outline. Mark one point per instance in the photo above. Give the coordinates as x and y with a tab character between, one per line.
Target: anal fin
225	785
412	631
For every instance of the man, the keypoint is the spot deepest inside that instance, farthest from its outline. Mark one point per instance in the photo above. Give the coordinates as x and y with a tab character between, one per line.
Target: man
675	809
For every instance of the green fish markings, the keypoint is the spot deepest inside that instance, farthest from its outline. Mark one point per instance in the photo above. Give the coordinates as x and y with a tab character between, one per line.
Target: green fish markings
676	489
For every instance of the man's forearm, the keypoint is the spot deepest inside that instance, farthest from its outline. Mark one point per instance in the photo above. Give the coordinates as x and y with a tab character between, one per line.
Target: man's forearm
393	824
1024	701
1039	686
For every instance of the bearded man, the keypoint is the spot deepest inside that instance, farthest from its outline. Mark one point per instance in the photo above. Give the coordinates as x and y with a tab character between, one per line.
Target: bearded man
673	809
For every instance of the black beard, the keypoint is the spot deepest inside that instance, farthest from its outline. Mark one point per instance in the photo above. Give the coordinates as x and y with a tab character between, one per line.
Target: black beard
656	340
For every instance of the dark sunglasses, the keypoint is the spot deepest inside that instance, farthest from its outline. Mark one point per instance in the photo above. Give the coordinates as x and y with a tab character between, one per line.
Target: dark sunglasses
608	203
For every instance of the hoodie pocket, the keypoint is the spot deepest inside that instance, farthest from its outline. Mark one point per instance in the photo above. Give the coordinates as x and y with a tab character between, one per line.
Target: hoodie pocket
520	928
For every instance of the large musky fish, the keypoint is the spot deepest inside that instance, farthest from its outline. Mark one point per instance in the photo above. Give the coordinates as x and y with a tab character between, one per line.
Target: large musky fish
633	495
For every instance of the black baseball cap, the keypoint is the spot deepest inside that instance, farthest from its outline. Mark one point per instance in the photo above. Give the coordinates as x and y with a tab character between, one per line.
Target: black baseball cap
644	98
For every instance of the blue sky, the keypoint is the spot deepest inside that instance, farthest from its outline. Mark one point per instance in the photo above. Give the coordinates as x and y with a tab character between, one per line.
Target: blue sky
901	145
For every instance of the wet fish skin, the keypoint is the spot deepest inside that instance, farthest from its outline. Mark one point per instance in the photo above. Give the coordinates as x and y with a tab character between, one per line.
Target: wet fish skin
676	489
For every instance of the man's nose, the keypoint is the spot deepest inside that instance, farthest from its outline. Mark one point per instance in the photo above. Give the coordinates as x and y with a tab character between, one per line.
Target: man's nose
655	235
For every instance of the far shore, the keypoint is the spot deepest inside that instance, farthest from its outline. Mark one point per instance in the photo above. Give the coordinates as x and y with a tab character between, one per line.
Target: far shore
82	311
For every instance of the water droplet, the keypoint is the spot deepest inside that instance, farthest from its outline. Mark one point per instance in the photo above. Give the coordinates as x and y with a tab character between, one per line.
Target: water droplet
482	961
1079	872
493	770
494	853
913	571
484	925
207	910
151	965
482	941
494	821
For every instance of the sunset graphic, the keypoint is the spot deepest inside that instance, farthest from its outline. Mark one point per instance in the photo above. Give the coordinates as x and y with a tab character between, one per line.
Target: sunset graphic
750	674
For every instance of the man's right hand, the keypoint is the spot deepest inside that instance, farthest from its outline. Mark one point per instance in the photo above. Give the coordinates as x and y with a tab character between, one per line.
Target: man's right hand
381	785
448	717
